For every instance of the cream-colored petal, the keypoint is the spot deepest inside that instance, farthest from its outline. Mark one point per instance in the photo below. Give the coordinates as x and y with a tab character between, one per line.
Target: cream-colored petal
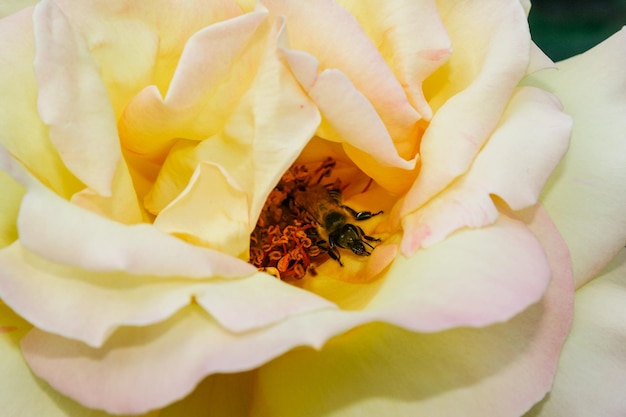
139	43
272	123
470	91
354	120
90	306
585	195
411	38
64	233
212	211
475	277
257	301
380	370
341	43
514	165
215	69
23	133
591	376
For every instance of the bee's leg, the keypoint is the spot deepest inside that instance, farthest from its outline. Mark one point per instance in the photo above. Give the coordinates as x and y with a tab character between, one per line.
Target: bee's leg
331	250
361	215
362	235
325	169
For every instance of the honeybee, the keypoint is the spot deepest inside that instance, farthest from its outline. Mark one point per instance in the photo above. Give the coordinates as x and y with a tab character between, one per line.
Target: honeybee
332	218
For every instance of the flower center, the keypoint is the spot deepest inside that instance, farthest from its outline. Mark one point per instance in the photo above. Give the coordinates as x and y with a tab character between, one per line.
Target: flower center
304	223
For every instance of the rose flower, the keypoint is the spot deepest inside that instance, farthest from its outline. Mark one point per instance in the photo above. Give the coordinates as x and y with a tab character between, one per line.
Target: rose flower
288	208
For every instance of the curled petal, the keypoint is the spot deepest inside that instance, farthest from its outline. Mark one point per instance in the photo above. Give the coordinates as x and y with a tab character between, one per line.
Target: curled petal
265	133
410	36
212	209
89	307
66	234
341	43
514	165
478	80
211	76
472	278
21	392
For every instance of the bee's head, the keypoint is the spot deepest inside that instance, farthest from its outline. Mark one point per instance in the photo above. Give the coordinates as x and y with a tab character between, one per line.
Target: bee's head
348	237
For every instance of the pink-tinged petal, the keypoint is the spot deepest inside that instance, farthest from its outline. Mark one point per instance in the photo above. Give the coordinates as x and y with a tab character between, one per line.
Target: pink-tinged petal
214	71
12	193
470	91
84	305
212	211
22	393
514	165
411	37
73	101
340	43
475	277
380	370
90	306
353	120
66	234
23	133
139	369
591	376
585	196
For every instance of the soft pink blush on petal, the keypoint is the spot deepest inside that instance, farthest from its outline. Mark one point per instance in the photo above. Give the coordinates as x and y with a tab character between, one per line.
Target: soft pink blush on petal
354	120
21	392
470	92
496	371
591	376
340	43
513	165
144	368
472	278
89	306
585	196
411	38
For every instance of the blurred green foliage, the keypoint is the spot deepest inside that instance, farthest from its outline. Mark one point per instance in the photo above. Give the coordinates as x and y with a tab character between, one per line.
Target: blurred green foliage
563	28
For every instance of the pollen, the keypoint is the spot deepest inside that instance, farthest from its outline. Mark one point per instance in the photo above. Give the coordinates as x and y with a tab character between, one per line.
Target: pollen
284	241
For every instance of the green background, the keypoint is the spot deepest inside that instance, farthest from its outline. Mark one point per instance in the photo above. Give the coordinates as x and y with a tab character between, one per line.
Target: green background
563	28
